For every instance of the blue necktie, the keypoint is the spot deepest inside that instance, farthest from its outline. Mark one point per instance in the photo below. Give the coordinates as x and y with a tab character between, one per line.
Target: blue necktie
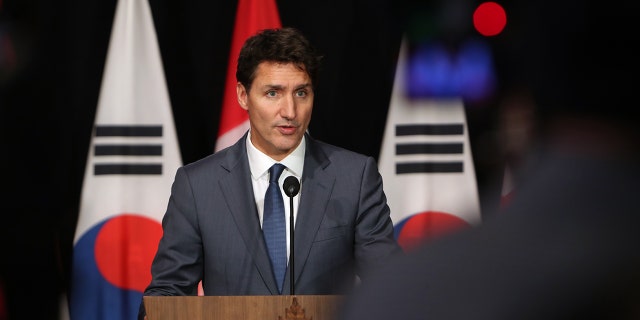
273	225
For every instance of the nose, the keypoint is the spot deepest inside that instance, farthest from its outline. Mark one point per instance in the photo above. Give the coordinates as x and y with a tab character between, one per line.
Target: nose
288	107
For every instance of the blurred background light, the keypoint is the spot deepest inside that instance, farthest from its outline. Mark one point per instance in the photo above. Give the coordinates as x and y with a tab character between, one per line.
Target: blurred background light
489	19
447	57
434	71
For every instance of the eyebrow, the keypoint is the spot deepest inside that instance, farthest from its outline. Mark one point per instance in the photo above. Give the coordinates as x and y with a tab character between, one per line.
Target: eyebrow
280	87
304	85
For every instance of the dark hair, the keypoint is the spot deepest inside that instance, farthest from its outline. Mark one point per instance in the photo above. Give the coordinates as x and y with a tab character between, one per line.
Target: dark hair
285	45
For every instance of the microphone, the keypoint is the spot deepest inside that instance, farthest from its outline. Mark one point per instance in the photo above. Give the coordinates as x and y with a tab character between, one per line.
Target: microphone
291	188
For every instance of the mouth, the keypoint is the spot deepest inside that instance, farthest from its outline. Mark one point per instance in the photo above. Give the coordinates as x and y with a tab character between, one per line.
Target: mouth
287	130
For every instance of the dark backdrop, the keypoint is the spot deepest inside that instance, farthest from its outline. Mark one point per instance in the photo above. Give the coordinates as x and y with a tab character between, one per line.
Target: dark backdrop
49	93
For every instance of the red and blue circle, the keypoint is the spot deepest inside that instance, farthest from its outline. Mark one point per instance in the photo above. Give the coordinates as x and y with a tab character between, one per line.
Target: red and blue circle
423	227
112	267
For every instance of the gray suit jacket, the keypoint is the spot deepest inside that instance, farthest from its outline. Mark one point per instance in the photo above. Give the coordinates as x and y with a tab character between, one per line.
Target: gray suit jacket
212	230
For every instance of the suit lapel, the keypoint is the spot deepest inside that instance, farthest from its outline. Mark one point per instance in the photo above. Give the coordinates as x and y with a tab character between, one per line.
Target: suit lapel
235	187
317	185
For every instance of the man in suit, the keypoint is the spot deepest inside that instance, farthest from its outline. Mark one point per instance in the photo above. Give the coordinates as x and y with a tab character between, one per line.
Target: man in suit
566	245
213	223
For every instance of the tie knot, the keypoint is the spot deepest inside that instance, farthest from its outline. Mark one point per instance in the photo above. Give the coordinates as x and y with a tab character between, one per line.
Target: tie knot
275	171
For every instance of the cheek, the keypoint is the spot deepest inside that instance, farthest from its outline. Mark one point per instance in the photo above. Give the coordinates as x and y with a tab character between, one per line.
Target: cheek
264	116
306	113
258	108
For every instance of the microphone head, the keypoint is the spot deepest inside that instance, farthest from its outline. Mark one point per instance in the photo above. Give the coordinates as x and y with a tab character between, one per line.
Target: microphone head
291	186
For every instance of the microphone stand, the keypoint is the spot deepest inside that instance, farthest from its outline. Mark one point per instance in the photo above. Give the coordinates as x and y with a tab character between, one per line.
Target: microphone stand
291	188
291	234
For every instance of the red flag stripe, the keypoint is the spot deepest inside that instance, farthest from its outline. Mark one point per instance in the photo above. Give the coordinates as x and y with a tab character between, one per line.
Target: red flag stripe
251	17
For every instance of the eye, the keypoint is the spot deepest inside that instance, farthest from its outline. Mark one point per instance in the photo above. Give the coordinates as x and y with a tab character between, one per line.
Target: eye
301	93
271	93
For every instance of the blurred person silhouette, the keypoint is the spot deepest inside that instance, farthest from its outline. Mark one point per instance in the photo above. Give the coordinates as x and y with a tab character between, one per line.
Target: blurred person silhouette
566	245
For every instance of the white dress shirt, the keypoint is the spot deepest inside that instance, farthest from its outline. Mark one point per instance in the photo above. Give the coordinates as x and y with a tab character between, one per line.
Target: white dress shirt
259	163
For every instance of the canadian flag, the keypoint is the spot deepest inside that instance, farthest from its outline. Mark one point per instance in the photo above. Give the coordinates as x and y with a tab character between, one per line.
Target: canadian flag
426	165
251	17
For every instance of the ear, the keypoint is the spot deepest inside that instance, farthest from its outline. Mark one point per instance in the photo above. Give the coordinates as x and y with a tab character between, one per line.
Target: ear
242	93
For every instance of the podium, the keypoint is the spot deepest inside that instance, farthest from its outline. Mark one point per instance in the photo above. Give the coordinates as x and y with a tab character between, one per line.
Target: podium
287	307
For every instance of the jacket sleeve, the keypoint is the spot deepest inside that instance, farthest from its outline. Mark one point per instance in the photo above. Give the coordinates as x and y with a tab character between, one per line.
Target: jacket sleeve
374	239
177	268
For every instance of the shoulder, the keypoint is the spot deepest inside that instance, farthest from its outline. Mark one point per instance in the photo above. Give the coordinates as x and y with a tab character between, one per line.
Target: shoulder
342	162
204	163
336	153
223	160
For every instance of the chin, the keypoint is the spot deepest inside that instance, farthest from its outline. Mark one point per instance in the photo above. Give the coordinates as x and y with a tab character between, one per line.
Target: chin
287	144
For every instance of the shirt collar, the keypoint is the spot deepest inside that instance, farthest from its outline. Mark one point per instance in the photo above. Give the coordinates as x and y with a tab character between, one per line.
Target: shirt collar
259	163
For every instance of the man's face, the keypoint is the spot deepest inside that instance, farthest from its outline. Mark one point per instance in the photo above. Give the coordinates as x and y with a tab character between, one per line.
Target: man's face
279	104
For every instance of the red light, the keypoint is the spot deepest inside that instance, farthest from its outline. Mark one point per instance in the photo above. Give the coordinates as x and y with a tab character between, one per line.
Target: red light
489	19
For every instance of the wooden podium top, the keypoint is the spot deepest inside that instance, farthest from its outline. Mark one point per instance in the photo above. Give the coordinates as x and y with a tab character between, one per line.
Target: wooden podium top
296	307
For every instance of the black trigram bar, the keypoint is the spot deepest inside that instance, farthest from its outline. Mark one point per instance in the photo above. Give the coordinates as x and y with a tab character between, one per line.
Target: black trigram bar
129	131
128	150
429	148
429	129
103	169
429	167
